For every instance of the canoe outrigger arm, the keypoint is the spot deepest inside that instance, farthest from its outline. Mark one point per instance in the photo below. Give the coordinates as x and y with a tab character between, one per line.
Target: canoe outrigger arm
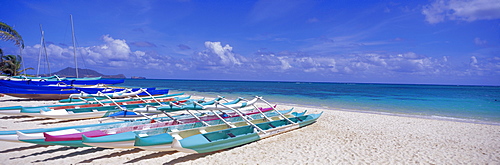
260	98
262	113
152	97
146	116
241	115
145	91
114	102
216	114
198	118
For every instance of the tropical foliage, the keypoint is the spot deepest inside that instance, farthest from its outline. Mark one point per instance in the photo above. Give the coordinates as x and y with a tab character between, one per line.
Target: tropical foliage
8	33
11	65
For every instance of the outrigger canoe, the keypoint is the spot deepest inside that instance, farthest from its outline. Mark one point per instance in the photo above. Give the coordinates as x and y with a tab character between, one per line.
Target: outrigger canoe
102	111
164	141
127	139
73	137
232	137
23	110
78	136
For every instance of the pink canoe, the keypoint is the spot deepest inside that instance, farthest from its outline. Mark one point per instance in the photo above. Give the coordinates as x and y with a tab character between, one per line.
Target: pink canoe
104	132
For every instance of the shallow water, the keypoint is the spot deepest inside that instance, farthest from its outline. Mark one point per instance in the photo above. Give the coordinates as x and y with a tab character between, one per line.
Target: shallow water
466	103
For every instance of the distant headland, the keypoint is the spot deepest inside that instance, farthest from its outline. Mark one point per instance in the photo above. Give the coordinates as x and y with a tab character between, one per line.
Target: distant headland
71	72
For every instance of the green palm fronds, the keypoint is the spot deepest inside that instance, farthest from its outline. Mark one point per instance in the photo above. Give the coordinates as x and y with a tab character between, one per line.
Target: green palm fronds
7	33
11	65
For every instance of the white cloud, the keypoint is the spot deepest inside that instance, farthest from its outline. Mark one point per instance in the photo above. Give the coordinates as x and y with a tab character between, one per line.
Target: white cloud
357	64
112	53
216	56
463	10
224	53
473	62
115	53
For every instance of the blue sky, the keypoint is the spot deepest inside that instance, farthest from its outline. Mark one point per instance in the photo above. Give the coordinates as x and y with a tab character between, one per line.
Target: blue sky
417	42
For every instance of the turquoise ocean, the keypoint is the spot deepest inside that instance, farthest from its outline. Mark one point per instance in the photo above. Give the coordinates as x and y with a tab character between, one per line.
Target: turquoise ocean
476	104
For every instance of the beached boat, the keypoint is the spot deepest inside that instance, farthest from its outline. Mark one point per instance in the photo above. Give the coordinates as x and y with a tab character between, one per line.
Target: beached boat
37	137
11	135
101	111
39	94
87	98
44	92
164	141
127	139
232	137
65	81
73	137
17	110
215	104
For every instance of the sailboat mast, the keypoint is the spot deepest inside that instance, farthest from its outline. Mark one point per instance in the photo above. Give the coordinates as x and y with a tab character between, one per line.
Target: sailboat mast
74	45
45	49
40	53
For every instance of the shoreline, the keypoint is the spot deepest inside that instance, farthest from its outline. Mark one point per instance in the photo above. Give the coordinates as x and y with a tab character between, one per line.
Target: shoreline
420	116
339	136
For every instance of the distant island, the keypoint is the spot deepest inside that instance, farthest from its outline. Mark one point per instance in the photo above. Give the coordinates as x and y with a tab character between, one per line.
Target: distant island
137	77
71	72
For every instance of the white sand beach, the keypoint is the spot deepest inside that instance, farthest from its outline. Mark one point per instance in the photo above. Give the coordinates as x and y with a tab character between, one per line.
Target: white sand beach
339	137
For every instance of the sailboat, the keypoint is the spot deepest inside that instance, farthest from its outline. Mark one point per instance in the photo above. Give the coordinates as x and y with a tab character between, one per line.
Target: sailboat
52	87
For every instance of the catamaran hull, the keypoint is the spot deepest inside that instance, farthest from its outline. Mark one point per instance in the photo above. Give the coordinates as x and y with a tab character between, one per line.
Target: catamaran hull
40	96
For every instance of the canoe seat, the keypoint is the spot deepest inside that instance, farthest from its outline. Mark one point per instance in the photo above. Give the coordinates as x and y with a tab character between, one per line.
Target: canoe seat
299	119
228	133
272	124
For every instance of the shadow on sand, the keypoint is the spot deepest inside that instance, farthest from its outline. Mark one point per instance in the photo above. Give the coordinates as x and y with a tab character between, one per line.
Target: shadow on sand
15	117
46	152
32	120
23	148
152	156
78	153
61	121
116	154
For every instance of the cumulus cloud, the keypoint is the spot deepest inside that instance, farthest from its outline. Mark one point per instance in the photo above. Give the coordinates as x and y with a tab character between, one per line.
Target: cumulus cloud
483	66
463	10
361	64
216	56
111	53
473	61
